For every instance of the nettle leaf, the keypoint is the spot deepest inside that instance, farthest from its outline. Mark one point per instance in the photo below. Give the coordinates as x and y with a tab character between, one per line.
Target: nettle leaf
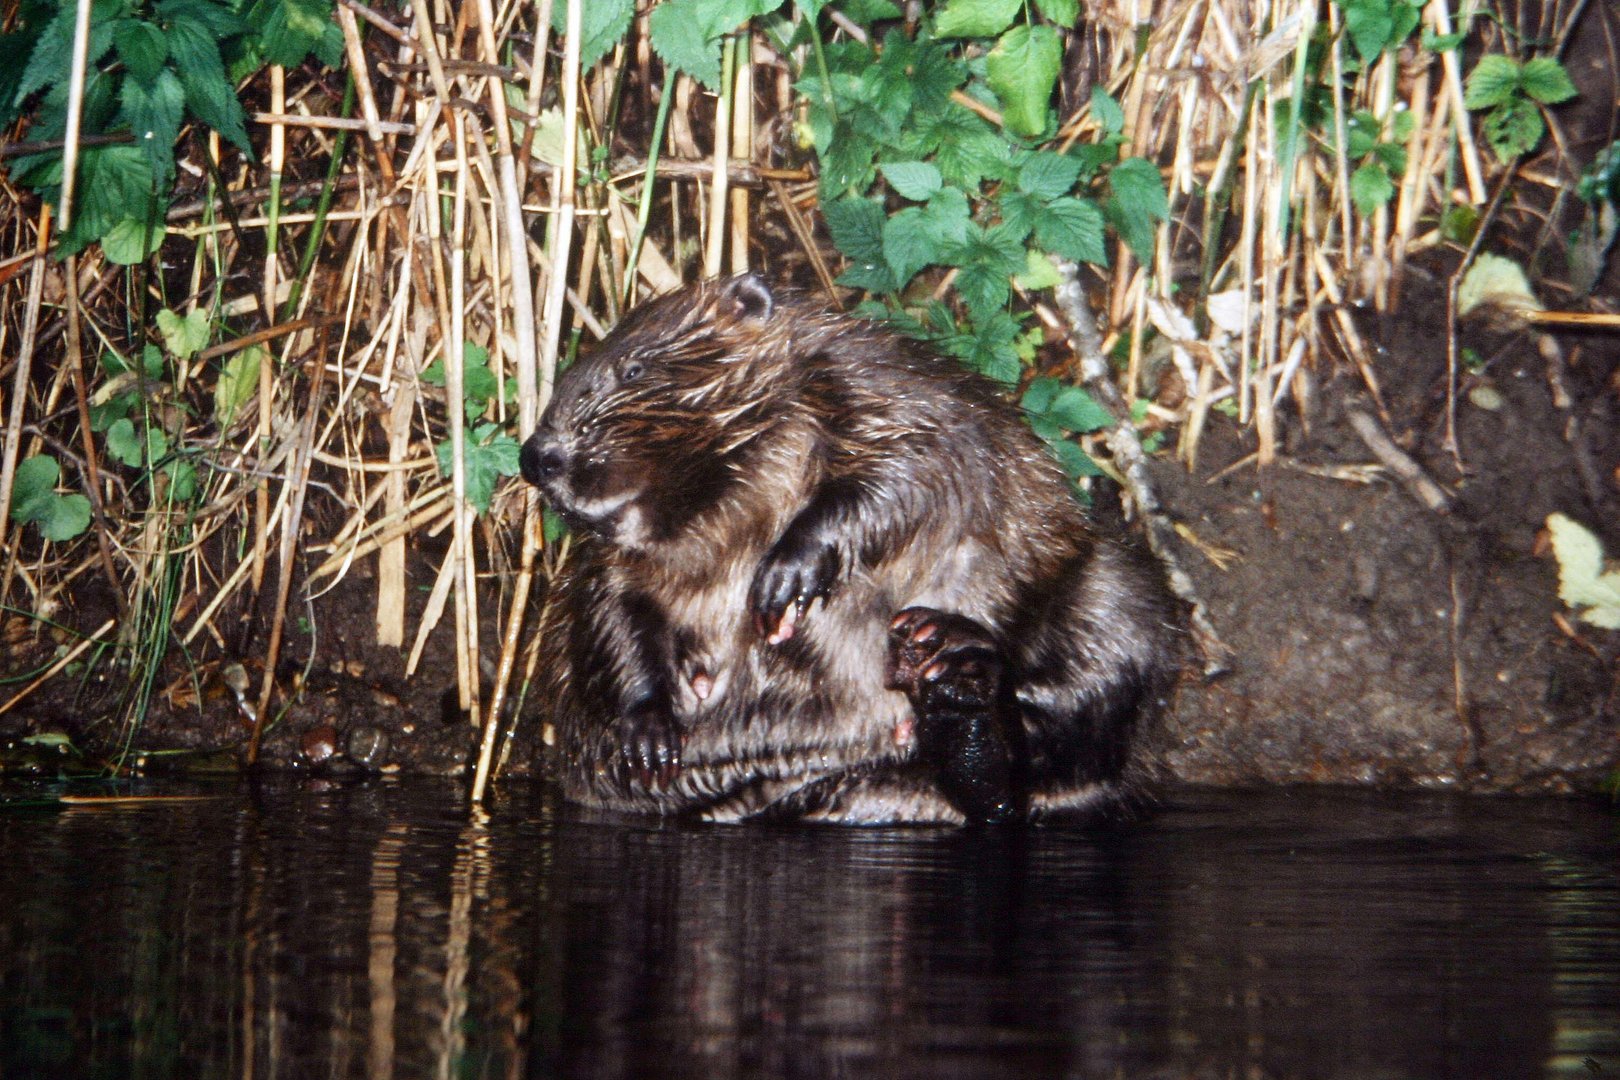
238	382
687	33
141	47
216	18
602	24
1494	80
1073	228
1582	582
184	335
1066	13
1022	70
113	182
964	146
486	457
1546	80
1139	204
856	228
914	180
1048	175
1514	128
1106	111
53	51
153	110
1039	272
988	259
680	35
133	240
847	165
1371	187
910	242
209	93
289	30
1370	24
976	18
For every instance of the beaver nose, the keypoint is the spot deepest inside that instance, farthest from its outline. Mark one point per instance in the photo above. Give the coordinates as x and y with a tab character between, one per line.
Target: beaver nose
541	459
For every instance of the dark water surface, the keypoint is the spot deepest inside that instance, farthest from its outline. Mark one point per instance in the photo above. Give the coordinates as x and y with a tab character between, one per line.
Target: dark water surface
290	930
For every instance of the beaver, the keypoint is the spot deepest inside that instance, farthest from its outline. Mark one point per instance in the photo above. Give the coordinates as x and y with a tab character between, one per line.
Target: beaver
826	574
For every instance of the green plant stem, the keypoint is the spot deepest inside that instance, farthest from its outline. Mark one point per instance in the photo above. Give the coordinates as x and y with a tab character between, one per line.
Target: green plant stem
323	205
644	211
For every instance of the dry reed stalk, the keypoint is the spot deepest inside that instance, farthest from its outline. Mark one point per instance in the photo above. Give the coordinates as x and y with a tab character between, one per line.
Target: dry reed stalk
720	180
11	447
742	149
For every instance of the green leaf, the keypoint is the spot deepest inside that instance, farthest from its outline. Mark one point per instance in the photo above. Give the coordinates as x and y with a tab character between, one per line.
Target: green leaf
988	259
141	47
33	485
487	457
602	24
910	242
289	30
182	480
209	94
915	180
238	382
867	12
1022	70
1075	410
856	228
1514	128
1371	187
1039	271
184	335
1076	464
1106	111
123	444
132	241
214	18
1048	175
153	110
976	18
115	182
1140	203
1065	13
1494	80
1073	228
1370	24
1582	582
53	52
687	33
1546	80
847	165
964	146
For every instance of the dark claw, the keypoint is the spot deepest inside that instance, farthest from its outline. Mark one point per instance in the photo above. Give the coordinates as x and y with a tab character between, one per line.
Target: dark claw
649	748
790	577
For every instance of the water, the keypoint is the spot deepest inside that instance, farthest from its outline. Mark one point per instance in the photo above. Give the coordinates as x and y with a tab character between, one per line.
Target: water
301	931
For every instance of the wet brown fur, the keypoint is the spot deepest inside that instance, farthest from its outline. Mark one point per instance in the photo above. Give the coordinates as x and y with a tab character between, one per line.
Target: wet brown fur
723	428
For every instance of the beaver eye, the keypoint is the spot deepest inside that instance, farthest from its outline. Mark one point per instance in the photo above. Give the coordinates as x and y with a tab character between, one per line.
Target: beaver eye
630	371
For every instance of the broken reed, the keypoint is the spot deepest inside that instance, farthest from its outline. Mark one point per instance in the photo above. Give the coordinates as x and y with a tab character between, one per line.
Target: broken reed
458	249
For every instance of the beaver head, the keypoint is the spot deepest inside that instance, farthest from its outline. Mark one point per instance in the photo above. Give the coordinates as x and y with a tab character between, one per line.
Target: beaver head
650	429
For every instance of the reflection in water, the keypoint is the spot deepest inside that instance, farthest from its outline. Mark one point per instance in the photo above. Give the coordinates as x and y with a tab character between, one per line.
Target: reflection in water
378	931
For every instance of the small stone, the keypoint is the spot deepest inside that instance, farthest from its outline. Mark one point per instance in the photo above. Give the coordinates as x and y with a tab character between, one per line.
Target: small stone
368	746
319	744
1487	397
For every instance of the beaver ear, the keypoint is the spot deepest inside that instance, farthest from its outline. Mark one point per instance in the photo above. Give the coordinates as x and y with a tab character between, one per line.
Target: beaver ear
748	297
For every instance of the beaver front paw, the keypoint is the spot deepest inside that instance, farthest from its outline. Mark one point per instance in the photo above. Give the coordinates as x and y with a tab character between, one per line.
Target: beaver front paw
965	728
791	576
649	746
940	660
